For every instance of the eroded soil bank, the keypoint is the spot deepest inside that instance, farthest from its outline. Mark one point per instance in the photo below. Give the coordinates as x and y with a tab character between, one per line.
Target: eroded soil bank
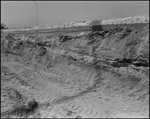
77	74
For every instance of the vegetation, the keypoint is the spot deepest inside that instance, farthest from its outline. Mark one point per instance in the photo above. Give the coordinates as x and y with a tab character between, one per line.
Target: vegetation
3	26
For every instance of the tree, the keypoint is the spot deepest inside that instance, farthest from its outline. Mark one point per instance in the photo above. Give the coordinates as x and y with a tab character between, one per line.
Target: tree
3	26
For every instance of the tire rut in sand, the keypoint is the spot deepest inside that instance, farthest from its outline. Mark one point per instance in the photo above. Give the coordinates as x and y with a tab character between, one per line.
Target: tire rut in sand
52	88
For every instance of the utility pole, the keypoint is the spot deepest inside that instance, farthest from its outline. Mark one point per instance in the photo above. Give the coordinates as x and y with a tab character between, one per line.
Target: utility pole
36	12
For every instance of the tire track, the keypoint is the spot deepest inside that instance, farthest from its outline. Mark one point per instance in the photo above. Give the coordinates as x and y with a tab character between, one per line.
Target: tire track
81	108
46	95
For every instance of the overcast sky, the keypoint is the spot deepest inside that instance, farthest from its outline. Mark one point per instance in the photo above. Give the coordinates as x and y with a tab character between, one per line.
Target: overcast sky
15	14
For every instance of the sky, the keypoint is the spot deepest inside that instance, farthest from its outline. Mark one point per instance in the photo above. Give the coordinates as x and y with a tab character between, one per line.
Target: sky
17	14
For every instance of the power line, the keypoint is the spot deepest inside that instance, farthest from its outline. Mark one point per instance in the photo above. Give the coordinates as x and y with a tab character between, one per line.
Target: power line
37	13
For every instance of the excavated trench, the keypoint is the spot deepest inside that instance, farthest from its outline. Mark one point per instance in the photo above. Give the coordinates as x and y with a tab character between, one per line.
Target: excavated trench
96	73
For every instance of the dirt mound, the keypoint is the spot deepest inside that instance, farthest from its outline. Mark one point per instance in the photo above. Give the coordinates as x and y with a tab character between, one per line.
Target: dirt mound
105	66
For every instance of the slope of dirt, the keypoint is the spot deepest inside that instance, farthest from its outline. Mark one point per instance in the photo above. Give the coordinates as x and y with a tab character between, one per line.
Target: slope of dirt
82	74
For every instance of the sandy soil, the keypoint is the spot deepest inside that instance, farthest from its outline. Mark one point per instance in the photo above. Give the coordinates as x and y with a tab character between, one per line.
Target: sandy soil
98	73
109	98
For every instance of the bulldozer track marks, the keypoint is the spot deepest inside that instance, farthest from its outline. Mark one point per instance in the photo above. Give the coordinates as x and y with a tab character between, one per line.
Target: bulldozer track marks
76	107
56	86
82	109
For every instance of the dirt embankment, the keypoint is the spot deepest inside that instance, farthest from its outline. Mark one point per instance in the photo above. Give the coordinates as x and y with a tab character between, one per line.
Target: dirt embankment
116	46
116	59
